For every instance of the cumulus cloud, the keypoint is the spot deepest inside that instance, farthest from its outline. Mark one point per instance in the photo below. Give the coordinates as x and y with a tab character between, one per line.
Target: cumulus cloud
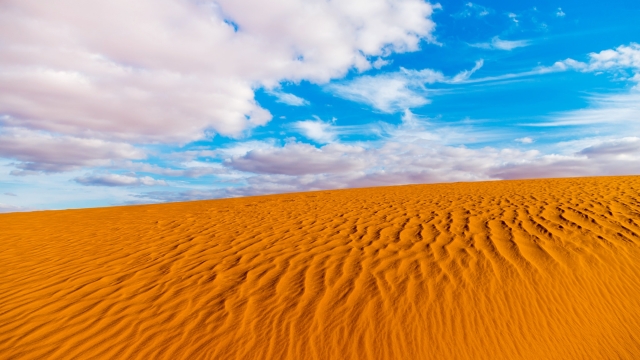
380	62
170	70
620	61
175	71
498	44
118	180
41	152
560	13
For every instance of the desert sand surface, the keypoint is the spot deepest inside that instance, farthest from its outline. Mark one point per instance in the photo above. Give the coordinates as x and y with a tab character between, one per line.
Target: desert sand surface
533	269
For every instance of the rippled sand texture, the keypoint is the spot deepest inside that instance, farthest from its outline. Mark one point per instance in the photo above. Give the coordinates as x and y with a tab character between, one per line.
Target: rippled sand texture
537	269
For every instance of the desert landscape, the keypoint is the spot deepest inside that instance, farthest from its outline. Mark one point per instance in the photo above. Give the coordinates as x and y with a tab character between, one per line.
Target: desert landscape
531	269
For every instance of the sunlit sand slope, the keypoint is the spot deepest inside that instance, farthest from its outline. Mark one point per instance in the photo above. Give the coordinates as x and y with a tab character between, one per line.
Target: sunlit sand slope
541	269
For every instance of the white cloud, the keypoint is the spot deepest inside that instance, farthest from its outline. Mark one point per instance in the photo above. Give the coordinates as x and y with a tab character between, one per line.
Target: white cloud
623	57
604	109
41	152
498	44
619	60
560	13
623	61
118	180
316	130
380	62
466	74
397	91
387	92
409	118
470	9
287	98
607	114
171	70
525	140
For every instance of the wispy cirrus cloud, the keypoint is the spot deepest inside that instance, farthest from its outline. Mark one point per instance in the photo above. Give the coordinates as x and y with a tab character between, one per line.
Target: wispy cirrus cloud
287	98
499	44
611	109
406	89
397	91
473	10
525	140
387	93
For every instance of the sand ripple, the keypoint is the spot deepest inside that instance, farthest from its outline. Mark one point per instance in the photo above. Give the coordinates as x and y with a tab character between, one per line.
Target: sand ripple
542	269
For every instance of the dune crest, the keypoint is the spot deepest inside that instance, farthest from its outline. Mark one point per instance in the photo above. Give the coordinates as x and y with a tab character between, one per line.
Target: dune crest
534	269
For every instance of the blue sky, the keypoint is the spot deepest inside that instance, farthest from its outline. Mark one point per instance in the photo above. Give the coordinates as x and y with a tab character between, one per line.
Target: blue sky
127	102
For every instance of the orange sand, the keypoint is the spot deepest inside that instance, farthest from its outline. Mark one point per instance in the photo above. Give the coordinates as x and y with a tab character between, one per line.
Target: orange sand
536	269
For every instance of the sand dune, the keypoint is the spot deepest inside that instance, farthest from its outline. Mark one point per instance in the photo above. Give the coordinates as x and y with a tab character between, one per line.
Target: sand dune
536	269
